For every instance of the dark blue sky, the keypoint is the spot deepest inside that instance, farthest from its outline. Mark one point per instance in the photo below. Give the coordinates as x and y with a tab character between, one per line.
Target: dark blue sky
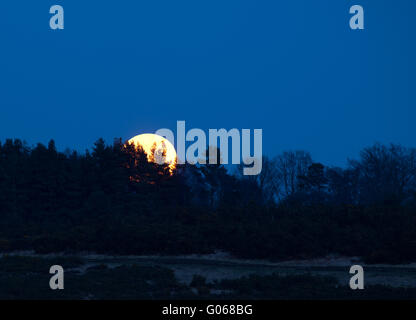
293	68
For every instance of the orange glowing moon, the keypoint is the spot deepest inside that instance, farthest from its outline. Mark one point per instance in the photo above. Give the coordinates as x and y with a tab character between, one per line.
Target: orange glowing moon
148	141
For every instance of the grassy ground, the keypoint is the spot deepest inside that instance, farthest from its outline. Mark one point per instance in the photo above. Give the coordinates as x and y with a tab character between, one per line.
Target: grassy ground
28	278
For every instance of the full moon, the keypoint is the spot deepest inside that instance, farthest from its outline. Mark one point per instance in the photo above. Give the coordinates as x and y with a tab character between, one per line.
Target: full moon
149	140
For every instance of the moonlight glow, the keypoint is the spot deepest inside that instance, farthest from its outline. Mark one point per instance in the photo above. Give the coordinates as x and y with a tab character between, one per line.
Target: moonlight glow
148	141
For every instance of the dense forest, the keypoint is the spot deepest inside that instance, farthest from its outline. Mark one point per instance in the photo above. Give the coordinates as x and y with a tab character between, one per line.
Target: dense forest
113	200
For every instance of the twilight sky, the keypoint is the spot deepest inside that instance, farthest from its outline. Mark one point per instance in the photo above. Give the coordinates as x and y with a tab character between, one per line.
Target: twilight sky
292	68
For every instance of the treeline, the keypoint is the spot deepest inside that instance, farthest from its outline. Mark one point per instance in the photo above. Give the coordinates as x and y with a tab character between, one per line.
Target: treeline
384	175
113	200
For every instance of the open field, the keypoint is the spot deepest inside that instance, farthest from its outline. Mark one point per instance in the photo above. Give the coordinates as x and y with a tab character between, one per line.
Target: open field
26	276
